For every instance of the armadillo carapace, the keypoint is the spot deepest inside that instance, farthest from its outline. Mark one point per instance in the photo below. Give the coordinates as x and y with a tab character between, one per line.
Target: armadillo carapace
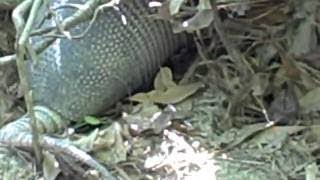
123	50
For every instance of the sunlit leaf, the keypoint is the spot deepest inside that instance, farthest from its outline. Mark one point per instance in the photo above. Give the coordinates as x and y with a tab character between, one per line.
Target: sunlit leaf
50	166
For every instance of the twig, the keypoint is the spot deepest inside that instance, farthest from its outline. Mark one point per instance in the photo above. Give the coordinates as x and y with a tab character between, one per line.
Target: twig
39	47
83	12
233	52
23	32
7	59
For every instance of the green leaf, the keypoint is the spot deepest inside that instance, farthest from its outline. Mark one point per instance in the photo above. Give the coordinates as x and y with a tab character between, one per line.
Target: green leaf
92	120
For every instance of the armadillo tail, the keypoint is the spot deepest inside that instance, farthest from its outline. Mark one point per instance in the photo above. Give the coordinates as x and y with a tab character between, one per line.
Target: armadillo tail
18	134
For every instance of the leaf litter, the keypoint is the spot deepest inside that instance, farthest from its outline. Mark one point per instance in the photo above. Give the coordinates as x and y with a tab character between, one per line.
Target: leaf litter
247	108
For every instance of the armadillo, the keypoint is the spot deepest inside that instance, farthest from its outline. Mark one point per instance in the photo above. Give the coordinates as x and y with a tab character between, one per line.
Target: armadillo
73	78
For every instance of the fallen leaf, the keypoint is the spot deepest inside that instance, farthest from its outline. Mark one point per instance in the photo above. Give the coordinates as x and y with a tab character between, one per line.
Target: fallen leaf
305	38
150	117
111	154
313	58
312	171
310	101
176	94
172	95
166	90
275	135
87	142
285	107
199	21
163	79
50	166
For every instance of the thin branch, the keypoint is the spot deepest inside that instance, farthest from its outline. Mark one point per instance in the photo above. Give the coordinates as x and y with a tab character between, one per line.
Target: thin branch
9	59
232	51
23	33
